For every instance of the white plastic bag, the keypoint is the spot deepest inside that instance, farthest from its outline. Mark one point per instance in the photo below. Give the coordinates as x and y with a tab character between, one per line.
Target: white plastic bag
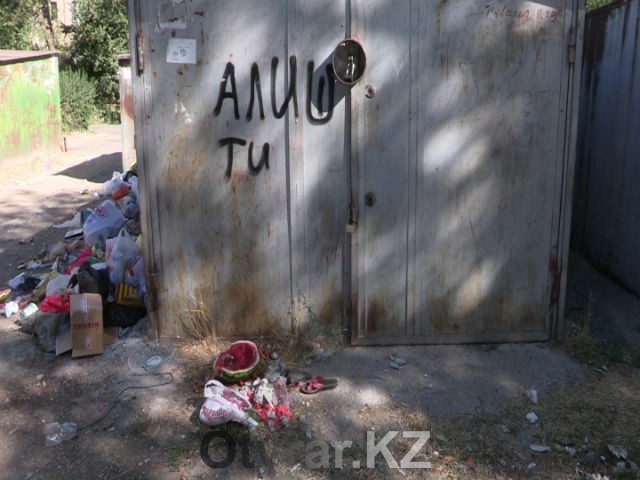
133	181
134	275
124	249
56	433
57	284
10	308
224	405
17	281
104	222
111	186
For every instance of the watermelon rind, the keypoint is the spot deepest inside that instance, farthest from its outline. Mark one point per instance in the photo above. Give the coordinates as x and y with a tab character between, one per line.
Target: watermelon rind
238	362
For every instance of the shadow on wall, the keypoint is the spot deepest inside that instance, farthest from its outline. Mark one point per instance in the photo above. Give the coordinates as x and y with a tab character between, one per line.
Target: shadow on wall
254	236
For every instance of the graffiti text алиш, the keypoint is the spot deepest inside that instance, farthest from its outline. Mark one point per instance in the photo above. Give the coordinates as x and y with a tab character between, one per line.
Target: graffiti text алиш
228	98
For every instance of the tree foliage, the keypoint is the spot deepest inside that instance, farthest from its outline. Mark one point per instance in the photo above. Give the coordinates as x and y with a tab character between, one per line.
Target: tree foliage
26	25
593	4
77	97
100	32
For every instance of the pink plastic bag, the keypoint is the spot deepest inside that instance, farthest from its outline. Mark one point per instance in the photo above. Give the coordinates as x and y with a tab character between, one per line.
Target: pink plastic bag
224	405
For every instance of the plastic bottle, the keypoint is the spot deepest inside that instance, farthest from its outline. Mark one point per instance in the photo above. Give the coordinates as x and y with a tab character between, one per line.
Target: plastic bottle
28	311
55	433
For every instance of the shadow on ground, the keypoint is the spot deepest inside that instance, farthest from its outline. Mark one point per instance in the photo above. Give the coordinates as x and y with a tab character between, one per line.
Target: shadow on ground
97	170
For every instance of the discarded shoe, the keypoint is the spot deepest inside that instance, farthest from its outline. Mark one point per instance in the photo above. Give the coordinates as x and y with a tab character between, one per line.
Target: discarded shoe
318	384
297	376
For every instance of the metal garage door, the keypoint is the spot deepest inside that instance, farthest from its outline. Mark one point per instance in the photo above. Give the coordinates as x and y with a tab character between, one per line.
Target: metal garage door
425	203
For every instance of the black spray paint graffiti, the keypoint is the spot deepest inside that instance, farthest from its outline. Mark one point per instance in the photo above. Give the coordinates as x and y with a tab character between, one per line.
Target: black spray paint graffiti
228	90
229	142
332	89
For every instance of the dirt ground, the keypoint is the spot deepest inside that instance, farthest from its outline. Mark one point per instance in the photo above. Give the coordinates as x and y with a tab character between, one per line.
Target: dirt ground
471	399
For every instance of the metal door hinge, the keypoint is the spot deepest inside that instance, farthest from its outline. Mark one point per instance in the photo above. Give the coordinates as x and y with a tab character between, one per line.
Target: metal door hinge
556	277
571	49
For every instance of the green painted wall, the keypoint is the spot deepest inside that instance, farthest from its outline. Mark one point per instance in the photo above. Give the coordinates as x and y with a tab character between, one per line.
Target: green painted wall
29	107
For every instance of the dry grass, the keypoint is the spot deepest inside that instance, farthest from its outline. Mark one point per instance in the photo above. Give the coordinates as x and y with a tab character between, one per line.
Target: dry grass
580	341
292	345
197	322
591	339
588	417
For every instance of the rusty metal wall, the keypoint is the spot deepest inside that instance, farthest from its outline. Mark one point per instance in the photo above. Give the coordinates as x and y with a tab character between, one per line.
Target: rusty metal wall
431	195
30	118
607	225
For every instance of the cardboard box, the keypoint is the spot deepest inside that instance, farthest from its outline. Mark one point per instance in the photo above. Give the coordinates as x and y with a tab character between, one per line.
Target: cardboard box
86	325
63	339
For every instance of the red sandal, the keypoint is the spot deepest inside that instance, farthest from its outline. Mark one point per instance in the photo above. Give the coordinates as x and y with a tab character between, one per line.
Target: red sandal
318	384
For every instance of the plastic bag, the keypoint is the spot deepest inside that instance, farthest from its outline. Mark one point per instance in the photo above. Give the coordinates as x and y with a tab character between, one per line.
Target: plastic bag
91	280
10	308
111	186
104	222
134	276
120	192
58	284
46	327
129	206
56	433
56	303
224	405
133	181
122	251
17	281
84	256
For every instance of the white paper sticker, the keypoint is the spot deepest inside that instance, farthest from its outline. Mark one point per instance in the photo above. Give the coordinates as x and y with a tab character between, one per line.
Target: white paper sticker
181	50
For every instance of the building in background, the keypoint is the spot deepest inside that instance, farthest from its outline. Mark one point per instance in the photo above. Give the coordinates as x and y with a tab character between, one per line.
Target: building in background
63	11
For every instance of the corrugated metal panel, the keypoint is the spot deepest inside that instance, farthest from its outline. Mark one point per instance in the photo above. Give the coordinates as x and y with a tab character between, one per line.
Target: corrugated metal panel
607	223
449	161
30	97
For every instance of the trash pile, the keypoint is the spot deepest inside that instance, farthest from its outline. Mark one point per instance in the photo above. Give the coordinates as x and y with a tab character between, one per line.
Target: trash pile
249	386
99	260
